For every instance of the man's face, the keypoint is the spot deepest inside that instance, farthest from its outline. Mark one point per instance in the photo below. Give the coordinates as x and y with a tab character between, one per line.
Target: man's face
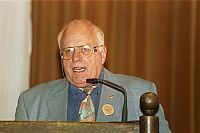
80	68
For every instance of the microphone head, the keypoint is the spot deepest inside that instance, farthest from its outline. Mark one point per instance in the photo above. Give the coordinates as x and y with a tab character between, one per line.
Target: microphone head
92	81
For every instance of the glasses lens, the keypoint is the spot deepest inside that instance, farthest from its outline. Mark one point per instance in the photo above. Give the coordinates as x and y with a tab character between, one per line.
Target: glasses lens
68	52
85	50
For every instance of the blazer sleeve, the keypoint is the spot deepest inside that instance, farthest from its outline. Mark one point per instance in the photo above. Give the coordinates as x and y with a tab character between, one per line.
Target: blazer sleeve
21	113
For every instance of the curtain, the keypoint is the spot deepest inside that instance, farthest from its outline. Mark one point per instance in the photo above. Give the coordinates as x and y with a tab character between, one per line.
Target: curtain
155	40
15	52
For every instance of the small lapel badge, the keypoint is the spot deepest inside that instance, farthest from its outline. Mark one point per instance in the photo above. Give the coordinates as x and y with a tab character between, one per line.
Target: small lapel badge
108	109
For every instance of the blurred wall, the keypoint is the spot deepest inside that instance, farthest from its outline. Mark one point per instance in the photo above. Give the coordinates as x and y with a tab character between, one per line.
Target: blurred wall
156	40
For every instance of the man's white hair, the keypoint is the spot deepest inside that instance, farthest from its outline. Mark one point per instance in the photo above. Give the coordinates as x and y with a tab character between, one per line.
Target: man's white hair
99	33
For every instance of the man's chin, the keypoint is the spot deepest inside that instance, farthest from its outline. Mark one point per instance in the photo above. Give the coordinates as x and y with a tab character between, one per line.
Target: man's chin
80	84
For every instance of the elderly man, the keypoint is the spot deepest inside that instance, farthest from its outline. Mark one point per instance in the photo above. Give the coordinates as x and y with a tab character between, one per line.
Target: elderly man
83	54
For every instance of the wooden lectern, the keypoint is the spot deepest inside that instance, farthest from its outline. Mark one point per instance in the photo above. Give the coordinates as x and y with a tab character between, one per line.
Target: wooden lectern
148	123
66	127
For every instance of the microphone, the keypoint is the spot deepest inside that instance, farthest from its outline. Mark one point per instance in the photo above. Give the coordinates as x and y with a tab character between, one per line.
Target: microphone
116	87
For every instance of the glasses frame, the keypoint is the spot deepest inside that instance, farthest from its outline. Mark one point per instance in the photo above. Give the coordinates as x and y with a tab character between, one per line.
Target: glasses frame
94	49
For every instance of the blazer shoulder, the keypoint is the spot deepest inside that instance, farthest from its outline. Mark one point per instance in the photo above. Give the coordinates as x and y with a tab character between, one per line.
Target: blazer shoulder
52	87
131	82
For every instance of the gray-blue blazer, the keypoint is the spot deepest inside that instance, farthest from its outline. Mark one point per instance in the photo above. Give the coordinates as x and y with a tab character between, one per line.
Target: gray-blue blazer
48	101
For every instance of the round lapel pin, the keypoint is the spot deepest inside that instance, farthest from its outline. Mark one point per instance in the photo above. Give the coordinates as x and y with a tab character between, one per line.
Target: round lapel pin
111	97
108	109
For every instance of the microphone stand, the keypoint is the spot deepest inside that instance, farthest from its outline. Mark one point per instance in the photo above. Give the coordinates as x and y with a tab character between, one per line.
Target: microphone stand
116	87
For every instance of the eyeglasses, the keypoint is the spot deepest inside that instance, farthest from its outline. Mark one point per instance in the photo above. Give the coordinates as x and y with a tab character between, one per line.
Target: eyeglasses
83	50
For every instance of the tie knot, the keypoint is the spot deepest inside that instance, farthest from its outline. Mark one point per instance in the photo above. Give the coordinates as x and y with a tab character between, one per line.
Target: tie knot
88	90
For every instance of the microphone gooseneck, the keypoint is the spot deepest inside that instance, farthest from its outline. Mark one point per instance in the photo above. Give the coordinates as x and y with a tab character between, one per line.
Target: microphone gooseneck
116	87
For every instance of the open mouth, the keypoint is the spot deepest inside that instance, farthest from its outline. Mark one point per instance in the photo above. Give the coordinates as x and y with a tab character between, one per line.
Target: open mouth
79	69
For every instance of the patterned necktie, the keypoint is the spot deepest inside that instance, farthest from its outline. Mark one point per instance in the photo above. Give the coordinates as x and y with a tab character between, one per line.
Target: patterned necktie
87	111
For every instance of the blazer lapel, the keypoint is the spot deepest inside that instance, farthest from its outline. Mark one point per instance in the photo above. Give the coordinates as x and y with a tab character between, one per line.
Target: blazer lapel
111	98
57	103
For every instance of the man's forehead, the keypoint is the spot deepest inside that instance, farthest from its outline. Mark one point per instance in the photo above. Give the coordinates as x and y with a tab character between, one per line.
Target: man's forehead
78	38
78	34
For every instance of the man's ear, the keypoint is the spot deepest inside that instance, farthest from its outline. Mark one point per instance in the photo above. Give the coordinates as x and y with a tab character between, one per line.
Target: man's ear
103	53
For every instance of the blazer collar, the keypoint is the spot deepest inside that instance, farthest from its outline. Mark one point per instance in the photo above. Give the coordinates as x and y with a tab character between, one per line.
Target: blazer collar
57	103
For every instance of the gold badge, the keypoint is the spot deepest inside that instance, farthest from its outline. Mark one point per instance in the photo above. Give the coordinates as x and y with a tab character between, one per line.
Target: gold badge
108	109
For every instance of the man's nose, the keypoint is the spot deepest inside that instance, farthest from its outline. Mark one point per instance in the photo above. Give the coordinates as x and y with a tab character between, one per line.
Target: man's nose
76	55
